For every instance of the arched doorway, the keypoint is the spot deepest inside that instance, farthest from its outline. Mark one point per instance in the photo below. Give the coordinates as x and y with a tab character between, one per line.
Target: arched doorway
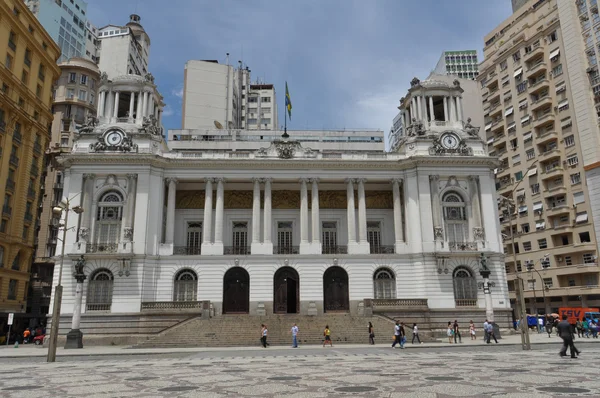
335	290
236	291
286	291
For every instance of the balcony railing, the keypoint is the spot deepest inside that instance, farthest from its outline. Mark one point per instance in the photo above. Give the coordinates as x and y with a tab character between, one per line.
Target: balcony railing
187	250
97	307
101	248
243	250
382	249
286	250
17	137
6	210
10	185
384	305
12	45
335	250
462	246
174	305
14	160
465	302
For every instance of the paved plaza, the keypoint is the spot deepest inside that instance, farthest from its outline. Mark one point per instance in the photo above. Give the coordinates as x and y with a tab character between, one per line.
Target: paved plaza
433	370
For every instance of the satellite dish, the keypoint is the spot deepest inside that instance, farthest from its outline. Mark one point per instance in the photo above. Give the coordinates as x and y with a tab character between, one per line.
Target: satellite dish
218	125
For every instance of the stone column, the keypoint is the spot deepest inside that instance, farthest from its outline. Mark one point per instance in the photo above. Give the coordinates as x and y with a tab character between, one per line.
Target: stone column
208	209
314	212
99	108
144	104
86	201
107	105
436	208
478	232
419	108
303	212
131	102
446	113
256	212
362	211
116	112
459	109
414	114
150	110
219	211
138	109
170	232
130	209
424	106
267	221
75	336
351	212
398	228
431	113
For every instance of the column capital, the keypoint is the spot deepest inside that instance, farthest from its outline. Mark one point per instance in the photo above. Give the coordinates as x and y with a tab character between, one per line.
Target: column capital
349	181
208	179
360	180
257	180
314	180
219	179
89	176
434	177
398	180
473	178
303	180
132	176
267	179
169	180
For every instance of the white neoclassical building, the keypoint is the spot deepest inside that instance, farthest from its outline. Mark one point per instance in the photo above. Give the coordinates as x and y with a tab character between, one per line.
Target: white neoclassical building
250	222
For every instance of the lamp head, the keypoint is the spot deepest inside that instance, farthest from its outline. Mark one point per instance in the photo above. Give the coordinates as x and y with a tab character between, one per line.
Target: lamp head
57	210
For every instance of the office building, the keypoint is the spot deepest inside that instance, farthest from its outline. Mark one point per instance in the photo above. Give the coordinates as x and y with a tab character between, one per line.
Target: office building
461	64
541	124
26	80
92	43
65	21
260	111
124	49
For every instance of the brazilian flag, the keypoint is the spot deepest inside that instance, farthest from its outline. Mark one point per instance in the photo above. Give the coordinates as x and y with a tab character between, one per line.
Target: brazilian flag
288	101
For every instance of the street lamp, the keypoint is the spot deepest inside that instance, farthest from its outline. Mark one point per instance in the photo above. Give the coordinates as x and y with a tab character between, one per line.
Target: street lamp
63	206
531	268
485	272
525	343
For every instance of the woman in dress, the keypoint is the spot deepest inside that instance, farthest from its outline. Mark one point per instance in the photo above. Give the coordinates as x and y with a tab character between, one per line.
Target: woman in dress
472	330
263	335
450	332
371	334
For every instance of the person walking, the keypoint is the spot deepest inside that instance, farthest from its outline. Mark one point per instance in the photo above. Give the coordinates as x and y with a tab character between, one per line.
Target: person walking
579	327
263	335
26	334
450	332
472	330
416	334
457	332
549	323
490	332
397	337
402	335
540	325
566	334
371	334
327	334
294	336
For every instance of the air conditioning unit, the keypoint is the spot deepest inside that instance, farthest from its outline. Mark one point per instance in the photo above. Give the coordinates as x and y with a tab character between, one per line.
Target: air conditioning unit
559	258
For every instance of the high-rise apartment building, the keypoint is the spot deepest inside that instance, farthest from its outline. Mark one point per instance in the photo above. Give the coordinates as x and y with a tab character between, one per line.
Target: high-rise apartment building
516	4
222	95
540	122
65	22
461	64
124	50
92	43
75	99
26	80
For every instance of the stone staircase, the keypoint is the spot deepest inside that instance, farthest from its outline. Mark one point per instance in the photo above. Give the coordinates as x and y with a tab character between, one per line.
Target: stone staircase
244	330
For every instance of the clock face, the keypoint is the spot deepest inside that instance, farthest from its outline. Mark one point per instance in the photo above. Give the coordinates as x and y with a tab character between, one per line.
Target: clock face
450	141
114	138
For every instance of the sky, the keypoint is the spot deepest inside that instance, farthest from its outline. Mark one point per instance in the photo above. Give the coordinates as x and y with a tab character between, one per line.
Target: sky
347	62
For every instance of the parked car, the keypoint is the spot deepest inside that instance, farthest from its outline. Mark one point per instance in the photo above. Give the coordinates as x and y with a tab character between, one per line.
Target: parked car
39	340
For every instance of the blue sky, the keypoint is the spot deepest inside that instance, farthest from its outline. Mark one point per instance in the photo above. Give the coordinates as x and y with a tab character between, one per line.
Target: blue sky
347	62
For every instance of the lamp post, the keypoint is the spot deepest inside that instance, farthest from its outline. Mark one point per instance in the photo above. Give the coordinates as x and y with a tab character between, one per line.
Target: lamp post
525	343
531	268
485	272
75	337
65	206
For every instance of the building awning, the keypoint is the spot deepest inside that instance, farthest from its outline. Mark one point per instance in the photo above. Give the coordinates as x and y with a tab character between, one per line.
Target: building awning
508	111
521	192
538	206
522	209
488	127
511	126
561	87
565	123
540	225
555	53
563	103
527	136
490	141
522	104
531	173
578	197
518	72
581	218
525	119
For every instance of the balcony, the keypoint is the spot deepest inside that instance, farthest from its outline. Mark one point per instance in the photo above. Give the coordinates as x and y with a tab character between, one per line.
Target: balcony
552	172
539	85
10	185
90	307
12	45
101	248
186	251
465	302
286	250
550	154
6	210
462	246
335	250
555	190
558	209
544	119
539	50
14	160
387	305
239	250
537	67
546	136
17	137
383	249
541	102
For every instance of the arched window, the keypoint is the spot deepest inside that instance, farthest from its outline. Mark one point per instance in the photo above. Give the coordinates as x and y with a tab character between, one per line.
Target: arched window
108	218
384	284
185	286
465	288
455	218
100	288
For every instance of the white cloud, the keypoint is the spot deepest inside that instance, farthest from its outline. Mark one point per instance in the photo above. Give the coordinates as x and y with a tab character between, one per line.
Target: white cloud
178	92
168	111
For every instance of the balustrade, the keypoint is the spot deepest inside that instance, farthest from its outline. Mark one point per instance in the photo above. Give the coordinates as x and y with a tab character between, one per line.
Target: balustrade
101	248
465	302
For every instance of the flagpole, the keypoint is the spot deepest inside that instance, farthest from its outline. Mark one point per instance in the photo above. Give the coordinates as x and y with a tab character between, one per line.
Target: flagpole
285	134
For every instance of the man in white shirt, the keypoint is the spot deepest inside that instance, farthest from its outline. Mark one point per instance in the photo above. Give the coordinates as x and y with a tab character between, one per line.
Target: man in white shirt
294	336
540	325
